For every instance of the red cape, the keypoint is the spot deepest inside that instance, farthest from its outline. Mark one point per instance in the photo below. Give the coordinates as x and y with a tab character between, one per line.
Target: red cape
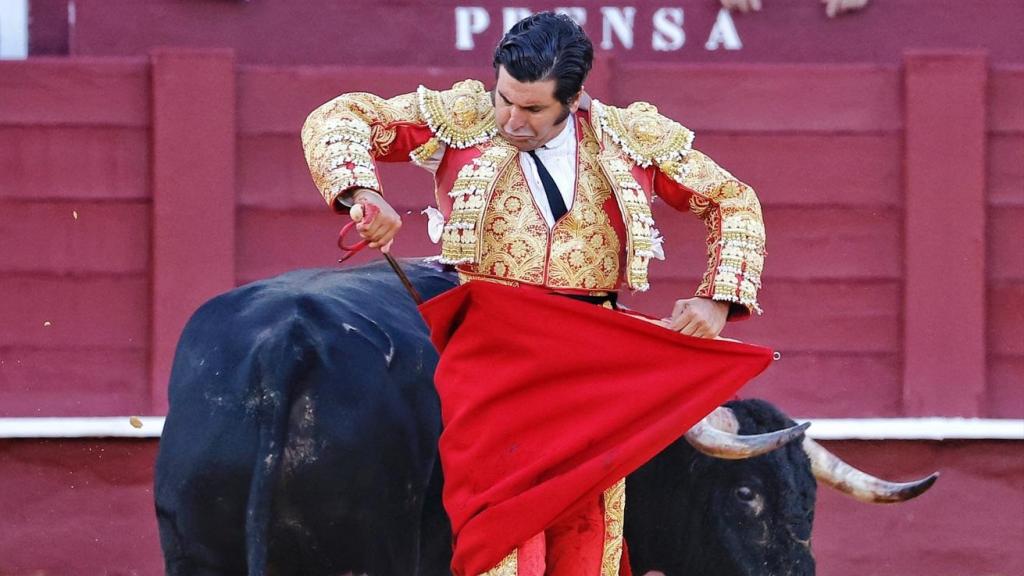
547	401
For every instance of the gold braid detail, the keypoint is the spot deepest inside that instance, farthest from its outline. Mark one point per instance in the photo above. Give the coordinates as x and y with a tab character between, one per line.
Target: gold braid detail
636	215
644	135
509	566
736	235
614	520
342	137
423	152
515	237
460	117
472	188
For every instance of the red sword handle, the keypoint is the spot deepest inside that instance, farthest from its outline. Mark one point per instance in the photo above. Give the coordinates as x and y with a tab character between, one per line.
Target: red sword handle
369	213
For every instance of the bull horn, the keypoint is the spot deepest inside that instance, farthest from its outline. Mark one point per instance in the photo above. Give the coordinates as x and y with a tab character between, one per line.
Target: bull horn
716	436
832	471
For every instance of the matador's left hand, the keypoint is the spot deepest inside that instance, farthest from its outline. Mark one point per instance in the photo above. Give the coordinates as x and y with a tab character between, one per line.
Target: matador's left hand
700	317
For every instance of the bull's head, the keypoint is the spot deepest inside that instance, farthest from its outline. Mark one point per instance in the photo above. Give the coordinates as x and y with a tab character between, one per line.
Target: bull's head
748	517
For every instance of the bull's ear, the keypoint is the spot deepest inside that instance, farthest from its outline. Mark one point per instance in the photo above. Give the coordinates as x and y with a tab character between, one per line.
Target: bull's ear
830	470
716	436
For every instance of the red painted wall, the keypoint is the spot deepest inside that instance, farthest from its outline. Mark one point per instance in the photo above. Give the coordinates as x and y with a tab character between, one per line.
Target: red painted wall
135	189
84	507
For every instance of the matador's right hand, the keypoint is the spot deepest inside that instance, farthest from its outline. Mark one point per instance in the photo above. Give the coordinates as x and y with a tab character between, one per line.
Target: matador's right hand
380	230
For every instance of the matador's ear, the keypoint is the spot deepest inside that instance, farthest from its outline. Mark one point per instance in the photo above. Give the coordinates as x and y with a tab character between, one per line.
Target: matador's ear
584	99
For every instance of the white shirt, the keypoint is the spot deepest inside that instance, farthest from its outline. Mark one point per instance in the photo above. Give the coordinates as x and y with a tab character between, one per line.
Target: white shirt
559	157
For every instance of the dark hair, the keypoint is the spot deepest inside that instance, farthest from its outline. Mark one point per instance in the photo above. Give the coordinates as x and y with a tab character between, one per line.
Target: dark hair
547	46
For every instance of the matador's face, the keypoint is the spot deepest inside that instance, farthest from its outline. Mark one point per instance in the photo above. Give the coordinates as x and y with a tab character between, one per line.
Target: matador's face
527	113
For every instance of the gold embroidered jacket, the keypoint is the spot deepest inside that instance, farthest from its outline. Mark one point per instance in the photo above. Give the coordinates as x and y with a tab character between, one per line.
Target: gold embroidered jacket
626	157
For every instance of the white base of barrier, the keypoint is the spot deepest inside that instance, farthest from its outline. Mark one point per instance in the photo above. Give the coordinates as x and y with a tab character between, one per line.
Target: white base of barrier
821	428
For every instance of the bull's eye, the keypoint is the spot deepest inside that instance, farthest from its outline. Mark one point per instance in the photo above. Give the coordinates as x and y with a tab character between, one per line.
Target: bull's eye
745	494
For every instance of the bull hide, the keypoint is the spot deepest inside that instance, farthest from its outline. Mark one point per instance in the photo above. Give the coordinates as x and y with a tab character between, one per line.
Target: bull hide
302	439
687	513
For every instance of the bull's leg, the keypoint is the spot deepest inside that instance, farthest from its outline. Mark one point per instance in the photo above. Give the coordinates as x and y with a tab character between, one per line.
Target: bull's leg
350	492
331	519
201	510
436	531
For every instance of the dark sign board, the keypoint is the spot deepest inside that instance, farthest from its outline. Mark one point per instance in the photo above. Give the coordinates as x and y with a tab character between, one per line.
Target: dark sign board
464	32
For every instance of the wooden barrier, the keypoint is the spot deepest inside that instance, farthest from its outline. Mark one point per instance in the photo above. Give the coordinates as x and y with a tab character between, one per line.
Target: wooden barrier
193	135
134	189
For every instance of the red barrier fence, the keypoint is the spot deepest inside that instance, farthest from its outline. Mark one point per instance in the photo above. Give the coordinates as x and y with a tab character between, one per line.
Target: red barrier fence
132	190
83	507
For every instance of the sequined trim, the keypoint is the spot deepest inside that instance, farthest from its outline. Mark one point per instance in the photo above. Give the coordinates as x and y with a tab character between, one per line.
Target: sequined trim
338	155
636	214
644	135
470	192
472	277
341	137
509	566
422	153
736	235
460	117
614	519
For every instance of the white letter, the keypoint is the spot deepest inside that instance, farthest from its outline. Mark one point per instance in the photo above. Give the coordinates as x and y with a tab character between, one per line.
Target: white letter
14	16
621	22
724	33
579	15
668	30
469	20
513	15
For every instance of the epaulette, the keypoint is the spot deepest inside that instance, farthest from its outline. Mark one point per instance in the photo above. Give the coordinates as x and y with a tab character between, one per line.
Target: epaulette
643	134
460	117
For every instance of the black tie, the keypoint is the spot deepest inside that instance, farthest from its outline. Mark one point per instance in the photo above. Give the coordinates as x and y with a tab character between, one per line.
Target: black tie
550	188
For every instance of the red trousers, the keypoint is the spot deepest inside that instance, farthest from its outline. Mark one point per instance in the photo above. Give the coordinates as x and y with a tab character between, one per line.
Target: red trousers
586	541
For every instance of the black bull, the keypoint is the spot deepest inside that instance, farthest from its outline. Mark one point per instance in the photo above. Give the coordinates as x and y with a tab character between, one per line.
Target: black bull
302	439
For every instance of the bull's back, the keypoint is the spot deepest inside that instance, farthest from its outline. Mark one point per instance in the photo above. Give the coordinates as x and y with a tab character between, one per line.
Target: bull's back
288	397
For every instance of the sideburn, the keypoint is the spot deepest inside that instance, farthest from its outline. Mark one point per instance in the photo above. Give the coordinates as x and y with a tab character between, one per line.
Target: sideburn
565	114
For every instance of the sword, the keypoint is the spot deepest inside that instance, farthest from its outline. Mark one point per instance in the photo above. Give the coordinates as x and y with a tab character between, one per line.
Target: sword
358	216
